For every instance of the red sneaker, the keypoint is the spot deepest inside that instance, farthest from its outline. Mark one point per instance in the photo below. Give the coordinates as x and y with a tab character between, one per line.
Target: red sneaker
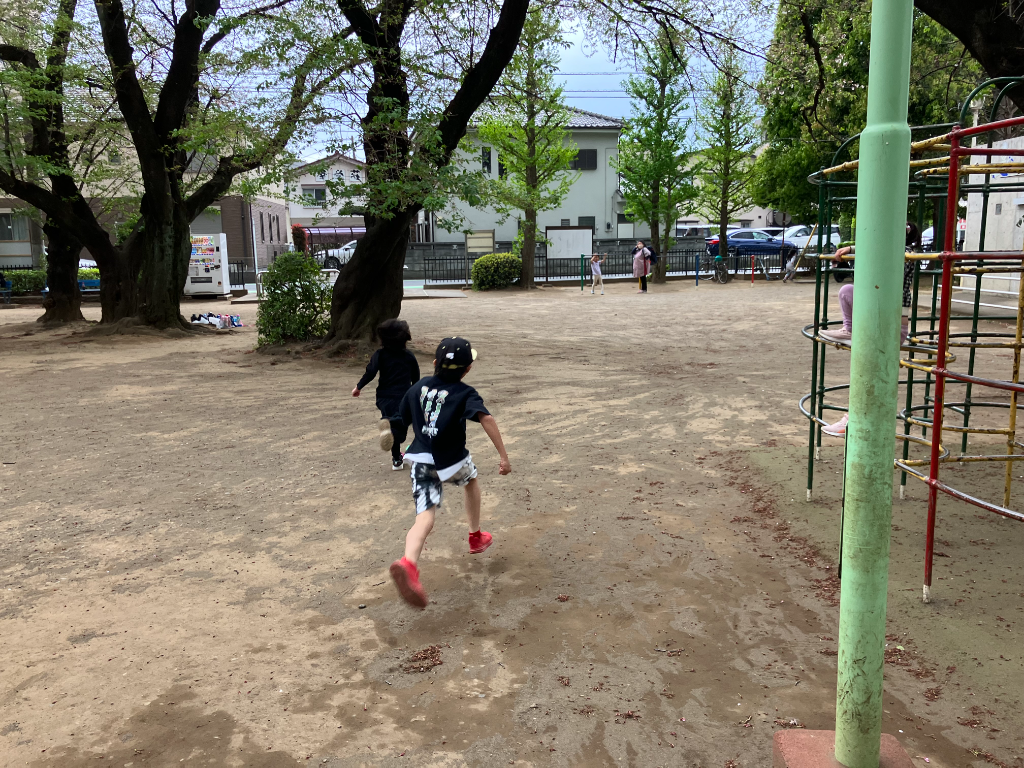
407	579
479	541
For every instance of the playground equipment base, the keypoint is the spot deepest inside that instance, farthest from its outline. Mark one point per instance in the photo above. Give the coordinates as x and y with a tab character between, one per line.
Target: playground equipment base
814	749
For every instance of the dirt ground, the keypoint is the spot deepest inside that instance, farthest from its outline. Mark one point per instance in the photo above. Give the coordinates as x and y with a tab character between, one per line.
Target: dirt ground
193	530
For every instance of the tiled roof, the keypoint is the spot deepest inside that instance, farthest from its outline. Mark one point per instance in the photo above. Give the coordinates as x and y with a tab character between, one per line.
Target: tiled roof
330	158
580	118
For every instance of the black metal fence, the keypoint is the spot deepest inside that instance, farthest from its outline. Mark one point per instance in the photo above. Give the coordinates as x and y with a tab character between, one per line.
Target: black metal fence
240	273
451	266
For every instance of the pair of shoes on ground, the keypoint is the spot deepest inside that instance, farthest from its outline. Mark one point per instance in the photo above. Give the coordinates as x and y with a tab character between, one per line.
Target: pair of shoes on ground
407	576
592	293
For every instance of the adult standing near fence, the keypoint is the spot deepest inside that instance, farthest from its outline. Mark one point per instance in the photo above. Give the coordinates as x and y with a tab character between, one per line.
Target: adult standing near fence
641	264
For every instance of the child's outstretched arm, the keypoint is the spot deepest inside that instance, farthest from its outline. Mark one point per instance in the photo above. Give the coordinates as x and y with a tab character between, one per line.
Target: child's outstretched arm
371	371
491	428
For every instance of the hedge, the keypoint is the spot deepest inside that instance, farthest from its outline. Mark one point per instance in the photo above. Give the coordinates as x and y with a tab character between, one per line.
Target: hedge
496	270
34	280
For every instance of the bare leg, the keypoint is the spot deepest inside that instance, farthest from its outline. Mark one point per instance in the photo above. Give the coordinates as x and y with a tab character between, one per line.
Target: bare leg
472	489
417	536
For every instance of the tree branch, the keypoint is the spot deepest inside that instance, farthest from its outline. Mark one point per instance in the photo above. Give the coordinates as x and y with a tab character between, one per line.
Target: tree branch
482	76
15	55
812	43
228	27
130	98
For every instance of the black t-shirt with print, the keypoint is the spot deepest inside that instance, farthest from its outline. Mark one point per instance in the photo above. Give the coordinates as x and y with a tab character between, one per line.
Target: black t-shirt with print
437	411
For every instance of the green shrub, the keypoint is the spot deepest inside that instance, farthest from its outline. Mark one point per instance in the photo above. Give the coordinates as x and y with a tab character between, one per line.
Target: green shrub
34	280
496	270
296	304
26	280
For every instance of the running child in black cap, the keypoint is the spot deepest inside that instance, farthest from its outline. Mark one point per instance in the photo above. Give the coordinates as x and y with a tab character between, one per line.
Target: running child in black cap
437	407
398	371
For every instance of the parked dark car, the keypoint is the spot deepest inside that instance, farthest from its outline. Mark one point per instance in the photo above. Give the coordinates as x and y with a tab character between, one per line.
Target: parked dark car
749	241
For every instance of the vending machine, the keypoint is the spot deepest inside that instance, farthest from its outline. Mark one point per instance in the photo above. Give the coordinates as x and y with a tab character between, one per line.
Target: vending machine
208	266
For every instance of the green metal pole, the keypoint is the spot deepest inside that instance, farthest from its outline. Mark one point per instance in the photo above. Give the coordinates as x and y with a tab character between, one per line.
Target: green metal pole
815	428
874	375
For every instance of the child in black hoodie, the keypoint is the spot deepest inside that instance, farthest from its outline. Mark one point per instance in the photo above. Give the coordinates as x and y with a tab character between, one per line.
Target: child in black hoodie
398	371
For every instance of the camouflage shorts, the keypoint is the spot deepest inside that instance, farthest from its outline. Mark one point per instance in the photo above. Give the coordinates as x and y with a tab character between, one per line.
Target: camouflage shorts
427	486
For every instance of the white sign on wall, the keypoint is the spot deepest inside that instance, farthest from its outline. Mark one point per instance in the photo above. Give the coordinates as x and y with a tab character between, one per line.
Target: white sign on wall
569	242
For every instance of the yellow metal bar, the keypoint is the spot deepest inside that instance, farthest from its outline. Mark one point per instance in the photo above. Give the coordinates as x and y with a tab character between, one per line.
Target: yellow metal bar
935	142
980	168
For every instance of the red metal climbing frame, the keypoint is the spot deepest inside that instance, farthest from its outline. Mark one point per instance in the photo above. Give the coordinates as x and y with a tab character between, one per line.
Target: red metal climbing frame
949	256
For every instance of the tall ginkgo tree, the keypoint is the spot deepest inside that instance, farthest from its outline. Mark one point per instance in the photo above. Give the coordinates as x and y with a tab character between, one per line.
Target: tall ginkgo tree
526	123
654	159
728	137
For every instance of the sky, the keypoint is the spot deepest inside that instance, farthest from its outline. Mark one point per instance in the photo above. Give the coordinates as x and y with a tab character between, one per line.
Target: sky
593	83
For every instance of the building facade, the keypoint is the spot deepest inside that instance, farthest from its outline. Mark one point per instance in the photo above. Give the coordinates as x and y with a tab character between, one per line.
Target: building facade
593	201
257	231
310	202
21	239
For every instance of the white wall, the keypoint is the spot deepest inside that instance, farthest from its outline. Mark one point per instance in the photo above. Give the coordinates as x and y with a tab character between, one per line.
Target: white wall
326	214
1005	209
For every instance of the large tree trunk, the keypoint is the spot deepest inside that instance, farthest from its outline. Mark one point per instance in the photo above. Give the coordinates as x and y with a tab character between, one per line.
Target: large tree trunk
658	272
723	228
119	284
369	289
166	238
63	302
529	253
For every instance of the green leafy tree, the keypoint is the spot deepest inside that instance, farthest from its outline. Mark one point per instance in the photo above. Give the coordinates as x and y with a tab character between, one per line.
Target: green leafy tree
654	159
728	137
526	123
814	92
206	96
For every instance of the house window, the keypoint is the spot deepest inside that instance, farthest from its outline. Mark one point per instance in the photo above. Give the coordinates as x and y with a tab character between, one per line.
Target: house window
355	175
621	218
277	221
485	160
587	221
114	157
314	195
501	168
999	208
585	160
263	234
565	223
13	227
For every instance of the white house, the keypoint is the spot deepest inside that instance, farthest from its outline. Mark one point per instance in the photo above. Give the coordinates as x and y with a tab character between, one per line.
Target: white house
1003	228
593	201
317	206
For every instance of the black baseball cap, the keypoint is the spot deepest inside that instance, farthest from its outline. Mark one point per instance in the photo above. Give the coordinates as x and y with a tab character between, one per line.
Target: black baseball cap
455	352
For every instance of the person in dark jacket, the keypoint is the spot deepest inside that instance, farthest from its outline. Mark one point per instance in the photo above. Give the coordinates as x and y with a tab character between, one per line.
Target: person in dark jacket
398	370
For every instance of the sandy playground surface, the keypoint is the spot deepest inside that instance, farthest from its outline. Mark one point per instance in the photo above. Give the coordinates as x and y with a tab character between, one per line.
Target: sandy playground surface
191	530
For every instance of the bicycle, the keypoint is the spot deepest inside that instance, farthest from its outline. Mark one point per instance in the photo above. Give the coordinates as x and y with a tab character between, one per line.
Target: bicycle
716	266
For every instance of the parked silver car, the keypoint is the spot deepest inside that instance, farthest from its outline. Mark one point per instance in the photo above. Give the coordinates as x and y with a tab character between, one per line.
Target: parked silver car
801	233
